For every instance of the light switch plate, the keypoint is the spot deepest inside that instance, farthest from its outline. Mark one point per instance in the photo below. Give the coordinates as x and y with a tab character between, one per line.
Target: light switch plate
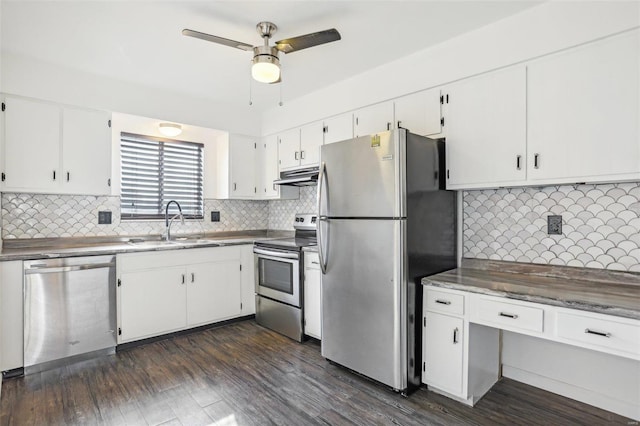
554	225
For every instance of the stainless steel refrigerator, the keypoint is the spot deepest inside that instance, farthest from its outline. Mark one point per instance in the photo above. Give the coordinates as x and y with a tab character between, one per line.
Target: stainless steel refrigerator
385	221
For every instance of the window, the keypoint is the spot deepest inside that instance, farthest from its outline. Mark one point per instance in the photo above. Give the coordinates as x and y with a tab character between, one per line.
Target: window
155	171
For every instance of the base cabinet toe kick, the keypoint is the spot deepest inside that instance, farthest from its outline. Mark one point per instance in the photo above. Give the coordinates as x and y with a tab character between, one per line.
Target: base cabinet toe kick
465	333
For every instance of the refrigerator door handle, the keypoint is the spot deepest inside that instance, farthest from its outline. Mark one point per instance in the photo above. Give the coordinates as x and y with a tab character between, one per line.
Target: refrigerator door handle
321	177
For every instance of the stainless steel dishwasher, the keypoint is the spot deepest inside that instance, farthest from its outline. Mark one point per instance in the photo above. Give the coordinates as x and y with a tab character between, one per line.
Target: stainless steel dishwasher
69	310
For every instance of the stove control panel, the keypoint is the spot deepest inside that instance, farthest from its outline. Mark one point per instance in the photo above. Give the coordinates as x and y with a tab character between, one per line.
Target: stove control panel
305	221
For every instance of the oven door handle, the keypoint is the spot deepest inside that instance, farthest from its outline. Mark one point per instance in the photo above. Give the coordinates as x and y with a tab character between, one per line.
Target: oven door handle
276	253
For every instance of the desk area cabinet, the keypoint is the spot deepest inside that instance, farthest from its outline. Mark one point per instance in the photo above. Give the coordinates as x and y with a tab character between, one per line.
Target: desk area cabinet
478	325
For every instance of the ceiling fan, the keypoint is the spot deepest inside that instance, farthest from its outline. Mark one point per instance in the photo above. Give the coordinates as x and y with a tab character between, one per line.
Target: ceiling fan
265	66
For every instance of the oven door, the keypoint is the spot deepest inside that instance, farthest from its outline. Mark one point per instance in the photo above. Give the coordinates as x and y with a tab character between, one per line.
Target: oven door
278	275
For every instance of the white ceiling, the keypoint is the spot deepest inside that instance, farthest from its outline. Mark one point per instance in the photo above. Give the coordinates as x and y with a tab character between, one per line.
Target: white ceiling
141	41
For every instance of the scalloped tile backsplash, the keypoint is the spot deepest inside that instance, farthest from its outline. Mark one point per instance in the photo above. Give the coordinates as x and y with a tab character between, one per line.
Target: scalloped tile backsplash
600	225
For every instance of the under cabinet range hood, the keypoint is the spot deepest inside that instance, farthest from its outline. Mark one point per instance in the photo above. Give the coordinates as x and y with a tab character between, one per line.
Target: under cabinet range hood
299	177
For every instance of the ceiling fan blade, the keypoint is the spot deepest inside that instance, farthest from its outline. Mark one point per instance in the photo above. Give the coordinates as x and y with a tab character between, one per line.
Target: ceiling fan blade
294	44
216	39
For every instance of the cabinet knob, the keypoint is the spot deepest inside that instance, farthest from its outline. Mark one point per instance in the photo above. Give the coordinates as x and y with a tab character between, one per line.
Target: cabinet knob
295	155
302	155
518	157
68	176
536	161
455	335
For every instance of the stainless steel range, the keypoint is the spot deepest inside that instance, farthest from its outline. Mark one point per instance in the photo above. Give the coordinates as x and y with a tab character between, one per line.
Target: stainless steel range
279	278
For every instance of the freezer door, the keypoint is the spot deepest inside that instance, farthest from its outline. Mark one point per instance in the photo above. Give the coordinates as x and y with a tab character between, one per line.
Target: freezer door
363	298
361	177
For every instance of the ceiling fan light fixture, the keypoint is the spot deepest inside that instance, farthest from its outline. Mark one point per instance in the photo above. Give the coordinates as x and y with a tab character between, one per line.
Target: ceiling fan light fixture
265	66
170	129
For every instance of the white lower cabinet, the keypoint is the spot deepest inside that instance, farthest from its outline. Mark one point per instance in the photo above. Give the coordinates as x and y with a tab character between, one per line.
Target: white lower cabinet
444	352
11	315
460	359
152	302
312	295
163	292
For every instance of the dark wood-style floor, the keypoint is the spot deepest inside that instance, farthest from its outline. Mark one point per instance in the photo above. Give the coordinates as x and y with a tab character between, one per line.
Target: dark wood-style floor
242	374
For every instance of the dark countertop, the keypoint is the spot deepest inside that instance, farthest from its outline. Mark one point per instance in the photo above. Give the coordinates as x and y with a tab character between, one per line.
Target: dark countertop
606	292
46	248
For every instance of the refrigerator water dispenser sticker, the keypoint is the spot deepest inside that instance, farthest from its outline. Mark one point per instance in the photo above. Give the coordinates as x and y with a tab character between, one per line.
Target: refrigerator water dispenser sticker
375	141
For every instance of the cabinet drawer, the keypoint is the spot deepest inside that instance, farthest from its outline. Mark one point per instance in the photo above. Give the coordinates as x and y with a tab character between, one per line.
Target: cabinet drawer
608	333
440	301
510	316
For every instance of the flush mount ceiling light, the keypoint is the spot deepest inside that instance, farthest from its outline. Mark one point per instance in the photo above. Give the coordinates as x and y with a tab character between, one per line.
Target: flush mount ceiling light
170	129
265	66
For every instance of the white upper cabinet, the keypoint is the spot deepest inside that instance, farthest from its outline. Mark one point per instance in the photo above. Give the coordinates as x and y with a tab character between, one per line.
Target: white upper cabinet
52	148
268	158
373	119
583	113
31	145
236	159
311	138
338	128
485	124
300	147
289	149
420	113
86	135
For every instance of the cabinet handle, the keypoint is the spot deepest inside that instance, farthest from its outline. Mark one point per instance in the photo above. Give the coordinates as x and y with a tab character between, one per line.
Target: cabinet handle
518	157
455	335
193	277
399	124
388	126
443	302
296	155
597	333
536	162
235	186
302	155
68	176
504	314
274	187
54	175
182	278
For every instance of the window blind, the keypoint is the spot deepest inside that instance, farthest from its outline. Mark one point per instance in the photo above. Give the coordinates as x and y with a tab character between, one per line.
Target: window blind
155	171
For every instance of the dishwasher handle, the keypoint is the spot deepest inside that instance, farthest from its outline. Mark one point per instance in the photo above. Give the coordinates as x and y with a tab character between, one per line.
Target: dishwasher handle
44	269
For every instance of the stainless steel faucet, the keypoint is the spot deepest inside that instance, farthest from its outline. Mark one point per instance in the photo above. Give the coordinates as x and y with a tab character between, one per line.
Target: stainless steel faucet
167	222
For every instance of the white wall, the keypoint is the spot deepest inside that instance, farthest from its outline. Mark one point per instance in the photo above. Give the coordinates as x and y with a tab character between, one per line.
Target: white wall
25	76
548	28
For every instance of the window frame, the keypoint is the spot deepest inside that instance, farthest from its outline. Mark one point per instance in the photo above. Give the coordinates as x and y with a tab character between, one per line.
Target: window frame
162	165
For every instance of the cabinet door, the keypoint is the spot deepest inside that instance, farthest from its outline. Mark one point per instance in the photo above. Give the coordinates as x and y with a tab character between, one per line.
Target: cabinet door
289	149
312	302
31	146
420	113
583	112
311	138
242	170
270	173
486	129
152	302
373	119
11	315
338	128
443	352
213	292
86	151
247	277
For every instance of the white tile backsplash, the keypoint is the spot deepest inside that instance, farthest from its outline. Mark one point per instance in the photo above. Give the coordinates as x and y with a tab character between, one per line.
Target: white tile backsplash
282	212
51	216
600	225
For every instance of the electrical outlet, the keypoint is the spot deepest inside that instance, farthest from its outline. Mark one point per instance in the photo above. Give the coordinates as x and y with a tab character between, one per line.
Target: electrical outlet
104	218
554	225
215	216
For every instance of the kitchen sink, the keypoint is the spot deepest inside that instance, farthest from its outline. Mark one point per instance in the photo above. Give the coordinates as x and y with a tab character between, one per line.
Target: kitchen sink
152	243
